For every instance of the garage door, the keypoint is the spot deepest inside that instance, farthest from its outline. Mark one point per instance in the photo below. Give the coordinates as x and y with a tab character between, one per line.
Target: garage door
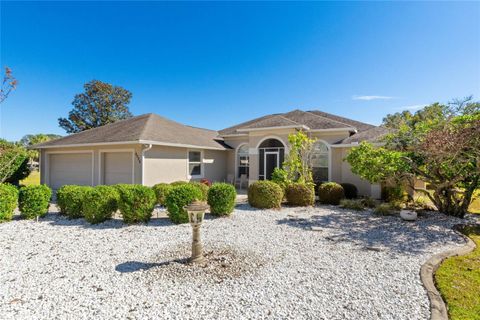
70	168
117	167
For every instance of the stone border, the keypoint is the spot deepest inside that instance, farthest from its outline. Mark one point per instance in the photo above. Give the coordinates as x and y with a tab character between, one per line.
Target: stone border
438	308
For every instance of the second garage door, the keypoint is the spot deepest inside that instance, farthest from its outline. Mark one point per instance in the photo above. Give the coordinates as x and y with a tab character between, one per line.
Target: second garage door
117	167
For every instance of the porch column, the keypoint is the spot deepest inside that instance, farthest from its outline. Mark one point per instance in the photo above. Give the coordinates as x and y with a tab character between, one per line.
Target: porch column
253	165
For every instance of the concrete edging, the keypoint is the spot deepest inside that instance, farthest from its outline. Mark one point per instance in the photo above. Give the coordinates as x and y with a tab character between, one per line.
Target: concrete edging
438	308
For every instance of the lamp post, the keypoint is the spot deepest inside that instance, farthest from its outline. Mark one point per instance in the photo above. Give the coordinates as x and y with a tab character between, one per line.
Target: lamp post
196	213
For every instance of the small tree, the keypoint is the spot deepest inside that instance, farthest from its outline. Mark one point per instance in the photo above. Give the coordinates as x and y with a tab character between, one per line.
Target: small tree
100	104
32	139
13	162
9	83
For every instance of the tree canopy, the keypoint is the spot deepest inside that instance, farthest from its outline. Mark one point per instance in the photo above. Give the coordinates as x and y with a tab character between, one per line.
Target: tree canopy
100	104
32	139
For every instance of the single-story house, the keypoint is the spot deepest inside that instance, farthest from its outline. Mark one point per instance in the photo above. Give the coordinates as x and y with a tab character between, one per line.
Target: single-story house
150	149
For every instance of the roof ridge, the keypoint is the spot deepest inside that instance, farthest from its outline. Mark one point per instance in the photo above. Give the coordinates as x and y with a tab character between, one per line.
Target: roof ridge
282	115
317	115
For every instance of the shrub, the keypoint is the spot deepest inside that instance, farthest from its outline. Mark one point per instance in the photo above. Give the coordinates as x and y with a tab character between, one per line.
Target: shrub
70	199
136	202
394	193
300	194
280	177
161	191
8	201
352	204
100	203
351	191
330	193
369	202
178	183
179	197
384	209
33	200
265	194
221	198
203	189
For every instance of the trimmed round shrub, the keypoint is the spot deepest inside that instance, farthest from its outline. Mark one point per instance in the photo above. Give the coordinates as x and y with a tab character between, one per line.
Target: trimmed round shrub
70	199
8	201
203	189
178	183
33	200
299	194
161	191
351	191
136	203
352	204
178	198
265	194
100	203
330	193
221	198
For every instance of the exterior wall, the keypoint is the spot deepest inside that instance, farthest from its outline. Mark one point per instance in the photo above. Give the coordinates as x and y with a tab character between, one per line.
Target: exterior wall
44	157
168	164
364	187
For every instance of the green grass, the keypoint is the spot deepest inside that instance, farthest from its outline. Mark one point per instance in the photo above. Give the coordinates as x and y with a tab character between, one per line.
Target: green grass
458	279
32	179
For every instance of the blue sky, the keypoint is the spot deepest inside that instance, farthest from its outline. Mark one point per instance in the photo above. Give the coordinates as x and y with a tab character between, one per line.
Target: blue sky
216	64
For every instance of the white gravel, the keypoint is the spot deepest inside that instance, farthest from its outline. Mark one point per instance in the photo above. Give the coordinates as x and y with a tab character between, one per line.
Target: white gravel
263	264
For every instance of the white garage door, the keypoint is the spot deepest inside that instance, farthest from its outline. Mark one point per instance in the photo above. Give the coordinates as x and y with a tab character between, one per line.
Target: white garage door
70	168
117	167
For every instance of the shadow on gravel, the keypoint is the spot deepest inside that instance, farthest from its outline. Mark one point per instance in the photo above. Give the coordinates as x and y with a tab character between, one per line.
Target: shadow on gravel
369	230
134	266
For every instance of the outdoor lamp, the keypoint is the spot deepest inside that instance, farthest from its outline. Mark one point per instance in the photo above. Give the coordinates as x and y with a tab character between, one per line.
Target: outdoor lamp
196	213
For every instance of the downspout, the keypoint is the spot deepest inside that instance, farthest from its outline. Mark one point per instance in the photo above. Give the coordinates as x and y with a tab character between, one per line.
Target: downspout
148	147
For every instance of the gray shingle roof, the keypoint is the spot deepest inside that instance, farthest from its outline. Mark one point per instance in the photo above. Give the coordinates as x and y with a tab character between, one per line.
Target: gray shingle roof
371	135
147	127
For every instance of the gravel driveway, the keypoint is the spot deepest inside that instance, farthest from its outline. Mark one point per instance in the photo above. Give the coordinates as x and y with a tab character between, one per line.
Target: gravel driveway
262	264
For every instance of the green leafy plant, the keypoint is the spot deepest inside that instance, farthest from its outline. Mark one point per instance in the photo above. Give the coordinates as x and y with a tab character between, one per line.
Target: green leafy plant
384	209
70	199
8	201
100	203
179	197
351	191
136	203
33	201
297	164
203	189
178	183
299	194
369	202
221	199
352	204
161	191
330	193
281	177
13	162
265	194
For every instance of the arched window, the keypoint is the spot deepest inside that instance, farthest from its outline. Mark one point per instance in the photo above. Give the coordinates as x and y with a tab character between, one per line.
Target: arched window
319	161
242	161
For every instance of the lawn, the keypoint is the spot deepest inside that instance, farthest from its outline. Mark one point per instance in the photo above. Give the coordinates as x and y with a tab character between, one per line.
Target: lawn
458	280
32	179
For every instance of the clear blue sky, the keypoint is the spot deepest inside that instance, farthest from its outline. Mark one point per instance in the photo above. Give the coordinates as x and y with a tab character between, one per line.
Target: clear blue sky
216	64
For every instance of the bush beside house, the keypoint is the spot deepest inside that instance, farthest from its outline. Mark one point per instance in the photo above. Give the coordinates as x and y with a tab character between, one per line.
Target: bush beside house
299	194
179	197
70	199
100	203
330	193
221	199
203	189
161	191
351	191
8	201
33	201
136	203
265	194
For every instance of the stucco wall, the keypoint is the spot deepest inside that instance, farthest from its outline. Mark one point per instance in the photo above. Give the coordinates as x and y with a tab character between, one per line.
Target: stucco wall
215	165
364	187
44	159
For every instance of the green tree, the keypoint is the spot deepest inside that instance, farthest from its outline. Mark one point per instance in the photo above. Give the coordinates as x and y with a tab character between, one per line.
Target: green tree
32	139
13	162
439	145
100	104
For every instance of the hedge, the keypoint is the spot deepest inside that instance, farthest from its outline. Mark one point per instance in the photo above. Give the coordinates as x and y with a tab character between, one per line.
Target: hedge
179	197
299	194
221	199
203	189
8	201
100	203
330	193
265	194
178	183
70	199
33	201
161	191
136	202
351	191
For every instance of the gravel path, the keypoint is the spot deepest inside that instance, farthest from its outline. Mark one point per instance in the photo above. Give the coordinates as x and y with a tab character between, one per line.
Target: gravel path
261	264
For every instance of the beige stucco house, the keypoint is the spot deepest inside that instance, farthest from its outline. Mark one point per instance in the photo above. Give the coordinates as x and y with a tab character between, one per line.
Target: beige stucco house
149	149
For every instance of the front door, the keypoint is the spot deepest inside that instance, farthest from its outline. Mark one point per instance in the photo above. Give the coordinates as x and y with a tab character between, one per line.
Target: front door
271	162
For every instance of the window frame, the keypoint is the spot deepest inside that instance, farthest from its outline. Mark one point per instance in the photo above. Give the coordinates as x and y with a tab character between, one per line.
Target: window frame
238	161
328	155
201	163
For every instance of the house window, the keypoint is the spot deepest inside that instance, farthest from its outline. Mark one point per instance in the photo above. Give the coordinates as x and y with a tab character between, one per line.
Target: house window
242	161
195	163
319	161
